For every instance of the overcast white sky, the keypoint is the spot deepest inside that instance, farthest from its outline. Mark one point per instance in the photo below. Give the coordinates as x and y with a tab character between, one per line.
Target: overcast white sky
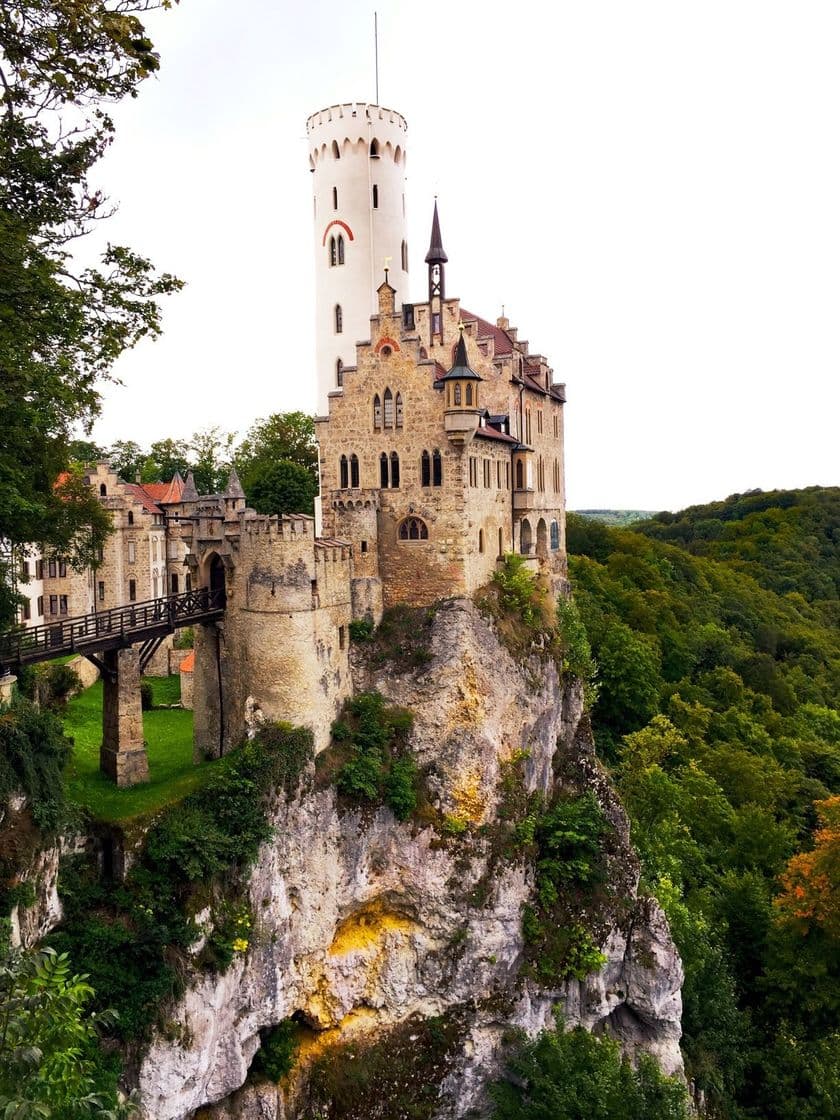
650	187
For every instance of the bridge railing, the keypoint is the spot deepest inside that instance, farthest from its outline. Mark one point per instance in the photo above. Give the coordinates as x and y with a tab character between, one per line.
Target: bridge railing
97	629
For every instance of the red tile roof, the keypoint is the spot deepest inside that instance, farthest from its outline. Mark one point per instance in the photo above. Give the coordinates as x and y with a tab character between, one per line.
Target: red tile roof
492	433
166	492
139	494
502	342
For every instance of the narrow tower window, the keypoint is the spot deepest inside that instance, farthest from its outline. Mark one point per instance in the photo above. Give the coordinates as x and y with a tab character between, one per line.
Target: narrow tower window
342	472
383	471
437	468
404	256
377	412
339	319
340	249
339	372
354	470
399	404
469	394
425	469
480	540
335	198
333	253
375	197
395	470
457	393
389	409
336	153
374	149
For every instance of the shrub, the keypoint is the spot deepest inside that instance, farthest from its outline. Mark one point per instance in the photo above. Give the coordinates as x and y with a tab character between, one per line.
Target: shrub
575	648
378	768
57	682
185	638
361	630
33	753
278	1047
576	1076
146	696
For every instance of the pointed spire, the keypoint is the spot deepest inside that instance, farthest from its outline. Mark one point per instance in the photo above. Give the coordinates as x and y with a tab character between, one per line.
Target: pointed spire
234	486
189	493
461	358
461	369
436	254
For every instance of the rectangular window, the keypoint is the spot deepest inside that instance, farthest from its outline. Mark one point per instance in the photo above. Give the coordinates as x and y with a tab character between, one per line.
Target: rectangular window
132	591
341	637
62	569
556	430
364	546
52	568
473	472
132	552
24	569
27	611
539	421
53	604
40	604
498	476
39	569
101	591
507	476
62	604
486	474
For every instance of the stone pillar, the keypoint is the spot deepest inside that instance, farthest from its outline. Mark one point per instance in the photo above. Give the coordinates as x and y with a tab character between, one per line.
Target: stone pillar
7	686
123	753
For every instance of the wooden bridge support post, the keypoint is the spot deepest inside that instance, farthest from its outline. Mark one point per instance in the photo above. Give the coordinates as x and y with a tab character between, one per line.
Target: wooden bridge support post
123	753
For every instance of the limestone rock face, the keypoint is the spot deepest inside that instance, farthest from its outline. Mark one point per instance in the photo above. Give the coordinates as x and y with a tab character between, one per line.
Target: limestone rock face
362	921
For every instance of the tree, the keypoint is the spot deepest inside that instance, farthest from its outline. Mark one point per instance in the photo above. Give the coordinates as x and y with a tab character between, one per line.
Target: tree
810	895
62	327
284	435
166	456
211	451
49	1062
283	487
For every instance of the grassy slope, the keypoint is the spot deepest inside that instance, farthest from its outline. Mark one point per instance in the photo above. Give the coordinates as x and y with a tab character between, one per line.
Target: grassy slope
168	734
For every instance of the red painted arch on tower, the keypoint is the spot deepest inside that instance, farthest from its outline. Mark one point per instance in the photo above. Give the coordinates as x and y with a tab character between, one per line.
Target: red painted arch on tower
385	341
337	222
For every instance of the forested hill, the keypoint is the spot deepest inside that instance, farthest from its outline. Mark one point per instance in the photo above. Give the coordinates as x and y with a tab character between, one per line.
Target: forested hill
788	540
718	689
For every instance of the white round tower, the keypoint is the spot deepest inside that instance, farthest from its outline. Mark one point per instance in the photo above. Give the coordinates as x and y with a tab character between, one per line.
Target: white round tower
357	157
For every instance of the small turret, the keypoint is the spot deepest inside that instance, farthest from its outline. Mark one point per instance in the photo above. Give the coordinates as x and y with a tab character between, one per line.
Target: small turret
460	386
189	493
436	258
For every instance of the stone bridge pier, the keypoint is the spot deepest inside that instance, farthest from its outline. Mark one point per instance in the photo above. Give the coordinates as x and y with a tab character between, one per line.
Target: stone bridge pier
122	755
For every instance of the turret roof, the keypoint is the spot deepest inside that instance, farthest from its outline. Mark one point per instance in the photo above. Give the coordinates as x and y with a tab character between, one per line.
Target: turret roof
461	370
436	254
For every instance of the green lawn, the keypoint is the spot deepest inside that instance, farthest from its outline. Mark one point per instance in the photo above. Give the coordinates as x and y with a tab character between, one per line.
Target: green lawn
168	736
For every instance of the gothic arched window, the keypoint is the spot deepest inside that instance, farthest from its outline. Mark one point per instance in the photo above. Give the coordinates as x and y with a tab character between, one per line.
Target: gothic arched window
520	482
354	470
555	535
388	410
398	401
374	149
333	253
395	470
383	471
377	412
336	153
340	249
469	394
339	319
457	397
339	372
103	490
413	529
342	472
425	469
437	468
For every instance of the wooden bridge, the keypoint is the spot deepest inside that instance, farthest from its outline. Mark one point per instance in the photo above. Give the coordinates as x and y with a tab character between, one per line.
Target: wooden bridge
109	639
146	623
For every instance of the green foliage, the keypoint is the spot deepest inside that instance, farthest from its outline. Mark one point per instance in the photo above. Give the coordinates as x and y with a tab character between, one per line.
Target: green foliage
33	752
62	326
399	1075
184	638
519	592
576	1076
278	1047
377	767
570	866
129	936
56	684
282	487
402	637
146	696
361	630
288	436
50	1065
575	648
722	741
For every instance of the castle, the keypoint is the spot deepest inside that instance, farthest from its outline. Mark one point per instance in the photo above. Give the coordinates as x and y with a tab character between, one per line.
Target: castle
440	444
441	449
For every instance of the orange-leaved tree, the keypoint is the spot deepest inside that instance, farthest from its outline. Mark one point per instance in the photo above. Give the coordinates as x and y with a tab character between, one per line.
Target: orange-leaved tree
810	895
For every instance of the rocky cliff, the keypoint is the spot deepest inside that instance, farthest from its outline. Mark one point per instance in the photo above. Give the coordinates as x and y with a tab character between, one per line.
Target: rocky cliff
368	928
